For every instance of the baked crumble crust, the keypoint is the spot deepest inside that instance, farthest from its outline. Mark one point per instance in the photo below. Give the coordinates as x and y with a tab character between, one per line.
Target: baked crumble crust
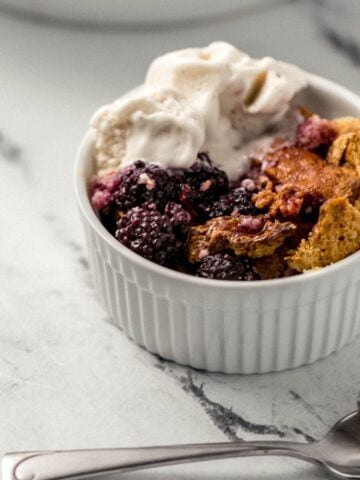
335	236
235	233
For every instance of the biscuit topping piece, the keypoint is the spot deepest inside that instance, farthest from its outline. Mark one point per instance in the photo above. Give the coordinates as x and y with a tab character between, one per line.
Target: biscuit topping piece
309	172
335	236
346	148
302	180
346	125
244	235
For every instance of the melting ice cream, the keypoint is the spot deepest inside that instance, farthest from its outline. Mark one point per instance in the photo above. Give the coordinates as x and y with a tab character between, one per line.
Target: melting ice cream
215	100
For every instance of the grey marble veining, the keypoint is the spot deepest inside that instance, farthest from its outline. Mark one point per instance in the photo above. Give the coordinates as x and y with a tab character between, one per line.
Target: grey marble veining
68	378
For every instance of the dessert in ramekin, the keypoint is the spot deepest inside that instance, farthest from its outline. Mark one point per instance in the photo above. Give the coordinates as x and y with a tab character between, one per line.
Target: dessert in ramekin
213	170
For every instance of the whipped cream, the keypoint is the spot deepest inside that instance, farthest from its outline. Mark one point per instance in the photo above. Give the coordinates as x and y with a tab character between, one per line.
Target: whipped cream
216	100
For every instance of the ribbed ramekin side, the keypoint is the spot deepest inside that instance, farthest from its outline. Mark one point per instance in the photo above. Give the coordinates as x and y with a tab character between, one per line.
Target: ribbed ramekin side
244	331
351	323
315	328
339	313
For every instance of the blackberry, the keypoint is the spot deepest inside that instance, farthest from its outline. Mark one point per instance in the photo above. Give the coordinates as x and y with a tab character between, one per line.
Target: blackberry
152	234
140	183
315	133
237	200
226	266
200	185
180	219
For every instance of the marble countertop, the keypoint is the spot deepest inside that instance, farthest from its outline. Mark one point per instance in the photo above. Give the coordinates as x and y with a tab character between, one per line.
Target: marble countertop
68	378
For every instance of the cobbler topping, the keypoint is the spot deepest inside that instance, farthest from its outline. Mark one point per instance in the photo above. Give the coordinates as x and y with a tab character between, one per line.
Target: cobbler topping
253	237
335	235
308	172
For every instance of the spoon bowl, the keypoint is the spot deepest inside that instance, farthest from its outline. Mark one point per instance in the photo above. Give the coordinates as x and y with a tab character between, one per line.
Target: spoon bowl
339	450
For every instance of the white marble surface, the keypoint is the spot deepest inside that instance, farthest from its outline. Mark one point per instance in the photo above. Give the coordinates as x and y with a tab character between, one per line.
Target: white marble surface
67	377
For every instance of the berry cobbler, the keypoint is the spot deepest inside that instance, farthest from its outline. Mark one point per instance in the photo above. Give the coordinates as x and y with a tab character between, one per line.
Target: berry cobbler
212	168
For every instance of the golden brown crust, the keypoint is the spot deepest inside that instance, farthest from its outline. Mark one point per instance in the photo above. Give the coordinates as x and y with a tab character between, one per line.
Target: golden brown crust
335	236
352	155
273	266
345	148
264	199
346	125
289	201
295	181
300	178
308	172
232	233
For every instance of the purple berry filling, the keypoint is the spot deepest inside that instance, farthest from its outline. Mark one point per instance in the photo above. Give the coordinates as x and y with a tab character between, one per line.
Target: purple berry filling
150	210
226	266
102	191
198	186
154	235
314	133
238	200
140	183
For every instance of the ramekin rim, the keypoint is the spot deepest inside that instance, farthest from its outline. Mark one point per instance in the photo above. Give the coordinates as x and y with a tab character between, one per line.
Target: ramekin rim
81	192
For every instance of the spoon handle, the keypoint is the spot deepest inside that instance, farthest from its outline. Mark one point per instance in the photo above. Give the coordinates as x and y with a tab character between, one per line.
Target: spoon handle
52	465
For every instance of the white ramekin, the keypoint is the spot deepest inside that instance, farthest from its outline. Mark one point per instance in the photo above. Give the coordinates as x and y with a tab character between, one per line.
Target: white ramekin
231	327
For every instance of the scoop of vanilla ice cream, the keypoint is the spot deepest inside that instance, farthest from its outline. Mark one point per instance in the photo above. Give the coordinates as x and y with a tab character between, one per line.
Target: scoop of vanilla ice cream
153	124
237	97
201	75
259	93
214	99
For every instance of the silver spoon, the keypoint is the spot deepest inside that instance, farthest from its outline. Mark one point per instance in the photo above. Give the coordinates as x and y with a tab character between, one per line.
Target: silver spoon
338	452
